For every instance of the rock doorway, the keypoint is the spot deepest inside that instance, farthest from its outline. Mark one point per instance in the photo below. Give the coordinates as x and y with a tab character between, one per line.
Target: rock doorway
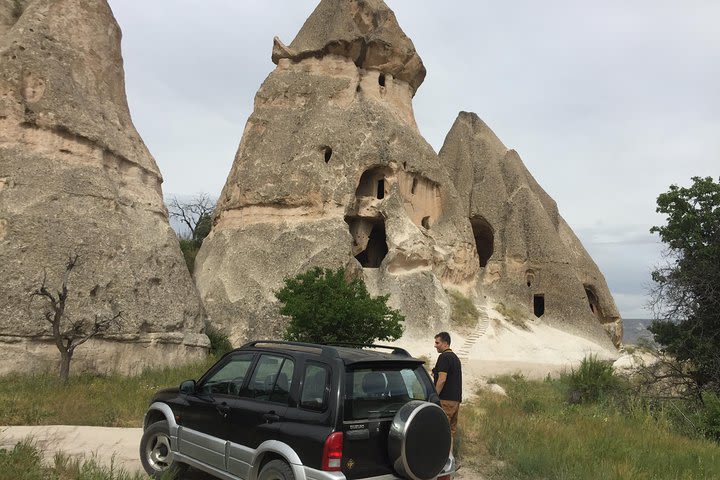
539	305
369	241
484	239
594	302
372	183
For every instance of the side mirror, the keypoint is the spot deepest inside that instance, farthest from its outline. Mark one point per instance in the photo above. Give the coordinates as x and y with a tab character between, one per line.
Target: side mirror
187	387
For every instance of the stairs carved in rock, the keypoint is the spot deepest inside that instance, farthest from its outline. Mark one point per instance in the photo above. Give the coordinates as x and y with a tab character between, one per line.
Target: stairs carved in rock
482	326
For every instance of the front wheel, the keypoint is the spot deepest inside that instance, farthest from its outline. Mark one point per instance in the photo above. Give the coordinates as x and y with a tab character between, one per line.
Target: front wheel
155	452
276	470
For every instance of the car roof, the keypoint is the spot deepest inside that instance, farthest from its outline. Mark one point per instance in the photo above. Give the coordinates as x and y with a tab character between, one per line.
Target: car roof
348	353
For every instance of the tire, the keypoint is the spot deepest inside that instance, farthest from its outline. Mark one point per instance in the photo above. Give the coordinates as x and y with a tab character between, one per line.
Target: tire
412	453
155	453
276	470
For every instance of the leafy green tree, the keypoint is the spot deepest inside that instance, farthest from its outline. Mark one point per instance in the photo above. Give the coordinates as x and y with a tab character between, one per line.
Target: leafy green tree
327	308
686	294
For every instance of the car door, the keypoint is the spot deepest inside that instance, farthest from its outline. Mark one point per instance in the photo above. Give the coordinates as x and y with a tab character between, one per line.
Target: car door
259	412
204	422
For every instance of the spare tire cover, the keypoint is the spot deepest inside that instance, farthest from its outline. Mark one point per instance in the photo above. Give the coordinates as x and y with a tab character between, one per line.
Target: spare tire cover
419	440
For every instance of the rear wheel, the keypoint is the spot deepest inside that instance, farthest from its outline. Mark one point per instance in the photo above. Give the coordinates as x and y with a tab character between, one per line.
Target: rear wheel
276	470
156	455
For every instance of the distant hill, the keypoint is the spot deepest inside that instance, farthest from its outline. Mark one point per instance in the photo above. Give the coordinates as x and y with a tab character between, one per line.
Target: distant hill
635	328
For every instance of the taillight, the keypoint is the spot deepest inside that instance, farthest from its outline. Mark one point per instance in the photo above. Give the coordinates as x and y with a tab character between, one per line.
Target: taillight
332	452
444	477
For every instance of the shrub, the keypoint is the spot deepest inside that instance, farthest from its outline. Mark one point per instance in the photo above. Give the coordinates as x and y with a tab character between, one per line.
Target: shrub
592	381
710	415
219	342
327	308
464	313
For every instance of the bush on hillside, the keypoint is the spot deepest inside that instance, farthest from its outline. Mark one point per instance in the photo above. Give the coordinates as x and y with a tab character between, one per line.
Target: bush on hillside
593	380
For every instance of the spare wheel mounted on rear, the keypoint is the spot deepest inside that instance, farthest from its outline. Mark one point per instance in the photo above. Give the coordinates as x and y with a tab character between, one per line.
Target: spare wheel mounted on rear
419	441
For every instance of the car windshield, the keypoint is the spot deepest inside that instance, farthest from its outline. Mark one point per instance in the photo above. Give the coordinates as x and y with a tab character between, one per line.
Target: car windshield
376	392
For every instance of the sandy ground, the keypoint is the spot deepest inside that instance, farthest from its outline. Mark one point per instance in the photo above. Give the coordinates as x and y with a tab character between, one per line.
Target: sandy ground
501	349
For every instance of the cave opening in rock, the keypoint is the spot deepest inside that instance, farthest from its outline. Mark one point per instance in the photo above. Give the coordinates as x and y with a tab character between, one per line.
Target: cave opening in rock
539	305
328	154
372	182
426	223
414	186
593	301
484	239
381	189
381	79
376	249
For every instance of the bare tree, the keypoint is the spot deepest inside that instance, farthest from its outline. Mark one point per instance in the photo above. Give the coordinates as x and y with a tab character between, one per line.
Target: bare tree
195	214
67	333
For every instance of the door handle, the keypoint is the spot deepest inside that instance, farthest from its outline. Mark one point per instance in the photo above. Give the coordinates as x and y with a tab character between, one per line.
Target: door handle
224	410
271	417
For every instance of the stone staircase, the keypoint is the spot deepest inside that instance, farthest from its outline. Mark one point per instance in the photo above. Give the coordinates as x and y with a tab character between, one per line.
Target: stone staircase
482	326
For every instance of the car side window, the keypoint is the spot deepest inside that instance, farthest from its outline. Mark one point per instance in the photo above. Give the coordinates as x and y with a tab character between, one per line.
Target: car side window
271	379
230	377
314	390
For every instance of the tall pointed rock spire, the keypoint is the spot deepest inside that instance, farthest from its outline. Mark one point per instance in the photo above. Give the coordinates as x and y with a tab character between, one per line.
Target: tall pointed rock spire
365	31
76	178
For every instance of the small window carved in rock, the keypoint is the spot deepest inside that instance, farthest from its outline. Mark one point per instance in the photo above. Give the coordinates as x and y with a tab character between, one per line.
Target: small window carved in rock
328	154
426	223
414	186
381	189
381	79
539	305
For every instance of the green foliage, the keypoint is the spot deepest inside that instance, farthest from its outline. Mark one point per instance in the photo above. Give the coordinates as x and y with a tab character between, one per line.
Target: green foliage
710	415
326	308
686	288
24	462
464	313
189	250
593	380
219	342
533	433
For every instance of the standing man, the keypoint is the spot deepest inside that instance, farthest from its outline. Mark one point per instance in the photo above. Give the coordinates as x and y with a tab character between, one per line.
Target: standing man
447	375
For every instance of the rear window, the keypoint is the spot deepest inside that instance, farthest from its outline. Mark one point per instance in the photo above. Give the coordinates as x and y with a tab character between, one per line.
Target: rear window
380	391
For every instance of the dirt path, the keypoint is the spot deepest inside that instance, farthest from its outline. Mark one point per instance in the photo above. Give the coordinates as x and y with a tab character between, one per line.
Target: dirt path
109	446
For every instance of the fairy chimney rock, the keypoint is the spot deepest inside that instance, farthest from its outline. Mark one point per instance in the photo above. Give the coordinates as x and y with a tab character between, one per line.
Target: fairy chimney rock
76	178
333	172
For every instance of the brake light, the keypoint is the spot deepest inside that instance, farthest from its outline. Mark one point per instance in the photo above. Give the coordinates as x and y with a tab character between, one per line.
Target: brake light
444	477
332	452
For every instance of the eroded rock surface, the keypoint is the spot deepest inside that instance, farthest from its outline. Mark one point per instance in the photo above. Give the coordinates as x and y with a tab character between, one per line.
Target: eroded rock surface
76	178
528	254
332	171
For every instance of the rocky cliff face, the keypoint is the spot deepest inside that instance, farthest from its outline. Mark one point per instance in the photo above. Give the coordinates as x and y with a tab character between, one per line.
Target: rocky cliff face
332	171
76	178
528	254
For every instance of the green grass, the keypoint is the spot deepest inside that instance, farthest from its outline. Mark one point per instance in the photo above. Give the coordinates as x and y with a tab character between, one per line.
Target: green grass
25	462
112	400
464	313
535	434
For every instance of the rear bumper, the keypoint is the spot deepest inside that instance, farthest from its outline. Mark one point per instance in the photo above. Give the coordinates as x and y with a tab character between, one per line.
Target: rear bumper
312	474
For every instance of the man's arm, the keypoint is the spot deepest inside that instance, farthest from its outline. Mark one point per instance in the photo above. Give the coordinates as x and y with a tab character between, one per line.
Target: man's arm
442	376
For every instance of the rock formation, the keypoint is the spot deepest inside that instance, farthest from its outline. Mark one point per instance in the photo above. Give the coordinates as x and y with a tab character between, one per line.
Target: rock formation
332	171
528	254
76	178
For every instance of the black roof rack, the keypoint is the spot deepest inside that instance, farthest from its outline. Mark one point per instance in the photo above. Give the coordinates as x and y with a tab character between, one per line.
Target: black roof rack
395	350
327	350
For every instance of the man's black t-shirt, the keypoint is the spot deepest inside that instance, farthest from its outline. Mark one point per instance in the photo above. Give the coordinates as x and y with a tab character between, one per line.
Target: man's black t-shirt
449	363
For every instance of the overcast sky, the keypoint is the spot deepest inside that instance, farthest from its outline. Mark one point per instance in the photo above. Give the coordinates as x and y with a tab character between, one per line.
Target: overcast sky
607	103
